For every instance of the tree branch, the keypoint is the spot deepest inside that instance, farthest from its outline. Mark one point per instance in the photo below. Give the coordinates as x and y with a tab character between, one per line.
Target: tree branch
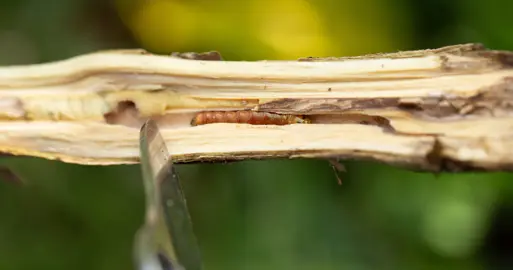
445	109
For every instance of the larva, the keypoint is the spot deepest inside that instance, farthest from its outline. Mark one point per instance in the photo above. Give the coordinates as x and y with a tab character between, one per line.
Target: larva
246	117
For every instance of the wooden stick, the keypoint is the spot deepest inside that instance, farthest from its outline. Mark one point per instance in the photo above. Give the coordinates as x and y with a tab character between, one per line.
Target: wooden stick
444	109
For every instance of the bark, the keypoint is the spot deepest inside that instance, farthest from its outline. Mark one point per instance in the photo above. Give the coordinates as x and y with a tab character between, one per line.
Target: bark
444	109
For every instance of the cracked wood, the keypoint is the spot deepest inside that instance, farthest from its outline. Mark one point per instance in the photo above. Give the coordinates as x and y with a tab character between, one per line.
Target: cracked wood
442	109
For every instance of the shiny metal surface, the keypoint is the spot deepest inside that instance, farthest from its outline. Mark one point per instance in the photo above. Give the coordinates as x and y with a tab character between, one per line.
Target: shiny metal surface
166	240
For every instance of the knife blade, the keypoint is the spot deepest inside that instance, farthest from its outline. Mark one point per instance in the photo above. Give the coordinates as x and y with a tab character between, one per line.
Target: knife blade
166	240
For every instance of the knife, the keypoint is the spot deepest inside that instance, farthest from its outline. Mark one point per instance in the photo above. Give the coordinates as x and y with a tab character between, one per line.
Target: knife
166	240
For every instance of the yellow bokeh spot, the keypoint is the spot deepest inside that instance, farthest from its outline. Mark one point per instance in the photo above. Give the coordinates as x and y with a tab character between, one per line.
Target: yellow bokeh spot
291	27
162	24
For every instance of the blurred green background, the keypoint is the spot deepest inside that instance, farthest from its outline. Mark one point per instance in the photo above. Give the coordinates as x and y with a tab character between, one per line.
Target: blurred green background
276	214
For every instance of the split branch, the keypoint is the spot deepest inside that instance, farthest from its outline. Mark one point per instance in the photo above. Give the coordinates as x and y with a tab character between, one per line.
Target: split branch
445	109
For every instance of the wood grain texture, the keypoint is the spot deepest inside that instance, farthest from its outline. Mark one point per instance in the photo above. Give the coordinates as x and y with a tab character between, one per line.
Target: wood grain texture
449	108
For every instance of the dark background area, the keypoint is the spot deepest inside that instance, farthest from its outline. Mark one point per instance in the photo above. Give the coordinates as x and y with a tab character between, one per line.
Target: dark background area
275	214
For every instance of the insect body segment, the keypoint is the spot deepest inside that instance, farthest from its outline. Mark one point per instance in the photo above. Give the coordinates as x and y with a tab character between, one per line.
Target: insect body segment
246	117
